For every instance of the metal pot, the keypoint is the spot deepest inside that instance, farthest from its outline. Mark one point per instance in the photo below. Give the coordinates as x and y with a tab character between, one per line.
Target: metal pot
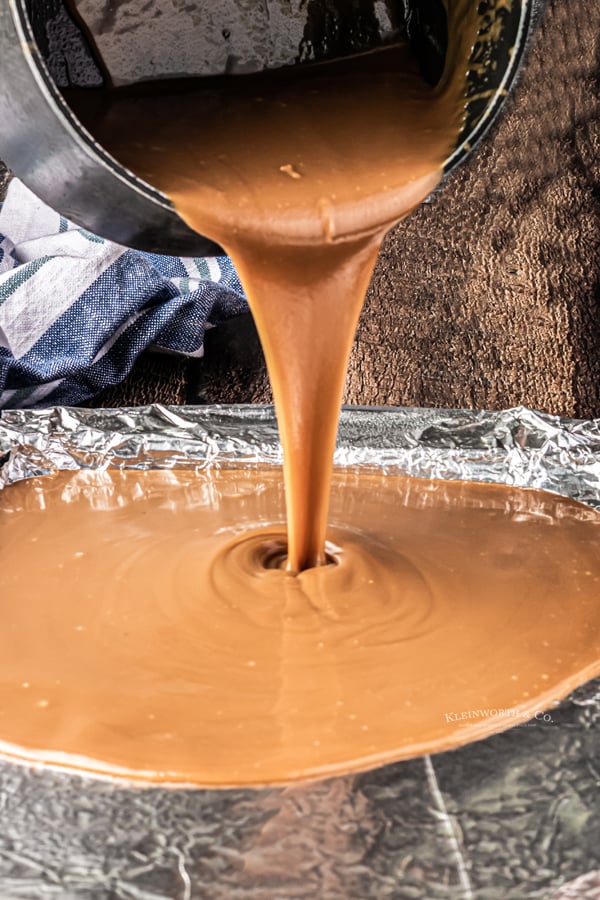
44	48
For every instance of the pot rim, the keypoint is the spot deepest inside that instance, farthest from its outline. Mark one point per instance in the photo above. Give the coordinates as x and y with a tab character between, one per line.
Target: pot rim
138	202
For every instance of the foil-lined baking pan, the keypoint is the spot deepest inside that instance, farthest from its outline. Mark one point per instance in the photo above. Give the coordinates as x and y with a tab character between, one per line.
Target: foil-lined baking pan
515	816
517	446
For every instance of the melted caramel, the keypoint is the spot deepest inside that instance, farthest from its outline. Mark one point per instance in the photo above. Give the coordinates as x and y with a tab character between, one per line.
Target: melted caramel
142	636
298	174
148	629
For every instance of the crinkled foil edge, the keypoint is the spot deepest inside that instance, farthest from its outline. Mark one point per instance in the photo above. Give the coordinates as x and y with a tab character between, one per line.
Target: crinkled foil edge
516	446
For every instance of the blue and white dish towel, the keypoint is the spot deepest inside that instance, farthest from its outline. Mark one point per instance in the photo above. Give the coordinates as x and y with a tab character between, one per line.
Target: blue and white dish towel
76	311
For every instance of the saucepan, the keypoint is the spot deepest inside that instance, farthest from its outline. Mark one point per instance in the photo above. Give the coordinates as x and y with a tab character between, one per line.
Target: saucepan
45	47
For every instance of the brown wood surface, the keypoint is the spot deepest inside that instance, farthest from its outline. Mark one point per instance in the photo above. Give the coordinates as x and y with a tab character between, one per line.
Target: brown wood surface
490	296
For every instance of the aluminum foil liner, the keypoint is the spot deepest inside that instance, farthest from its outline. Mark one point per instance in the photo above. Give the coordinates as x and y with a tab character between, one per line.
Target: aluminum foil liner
515	816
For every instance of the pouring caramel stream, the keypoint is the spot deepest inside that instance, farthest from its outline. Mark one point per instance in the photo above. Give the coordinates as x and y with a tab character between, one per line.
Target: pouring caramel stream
298	174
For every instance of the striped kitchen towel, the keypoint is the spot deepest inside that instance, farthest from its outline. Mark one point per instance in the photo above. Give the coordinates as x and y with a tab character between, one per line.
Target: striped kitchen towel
76	311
